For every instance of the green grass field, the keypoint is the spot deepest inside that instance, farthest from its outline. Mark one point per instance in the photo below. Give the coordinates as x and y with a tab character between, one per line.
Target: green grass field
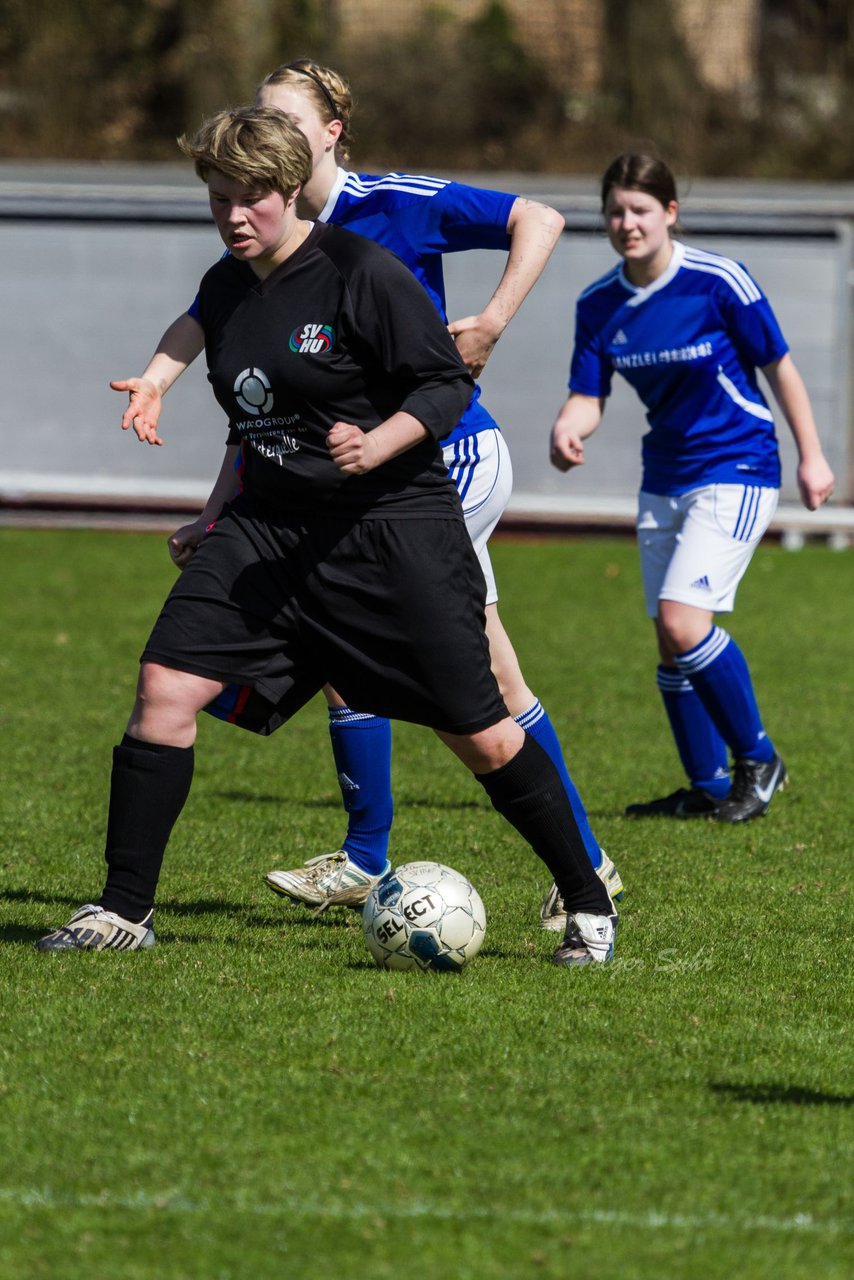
253	1098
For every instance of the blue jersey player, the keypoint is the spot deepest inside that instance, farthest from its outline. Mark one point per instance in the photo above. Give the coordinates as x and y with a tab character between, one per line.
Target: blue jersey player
420	219
688	330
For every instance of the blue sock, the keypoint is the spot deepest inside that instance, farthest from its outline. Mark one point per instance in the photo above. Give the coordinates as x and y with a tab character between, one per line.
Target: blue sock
361	745
536	722
701	748
719	673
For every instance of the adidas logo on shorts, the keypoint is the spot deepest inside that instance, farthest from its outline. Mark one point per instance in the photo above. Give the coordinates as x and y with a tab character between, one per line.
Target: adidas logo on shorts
701	584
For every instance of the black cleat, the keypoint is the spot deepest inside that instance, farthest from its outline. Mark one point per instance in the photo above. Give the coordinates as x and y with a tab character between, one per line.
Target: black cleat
753	787
687	802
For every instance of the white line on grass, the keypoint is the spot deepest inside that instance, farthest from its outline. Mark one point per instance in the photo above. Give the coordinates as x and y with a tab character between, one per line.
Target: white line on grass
354	1210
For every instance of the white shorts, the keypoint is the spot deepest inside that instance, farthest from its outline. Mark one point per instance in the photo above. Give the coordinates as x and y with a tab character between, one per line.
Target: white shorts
481	469
695	547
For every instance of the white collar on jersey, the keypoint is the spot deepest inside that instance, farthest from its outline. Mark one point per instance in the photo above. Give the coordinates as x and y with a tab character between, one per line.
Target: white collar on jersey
641	295
332	198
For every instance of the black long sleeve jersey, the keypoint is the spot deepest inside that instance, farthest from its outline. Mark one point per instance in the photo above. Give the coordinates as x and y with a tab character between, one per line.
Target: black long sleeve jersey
341	331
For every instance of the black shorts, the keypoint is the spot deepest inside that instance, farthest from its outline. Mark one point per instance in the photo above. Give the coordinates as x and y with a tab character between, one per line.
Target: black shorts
390	611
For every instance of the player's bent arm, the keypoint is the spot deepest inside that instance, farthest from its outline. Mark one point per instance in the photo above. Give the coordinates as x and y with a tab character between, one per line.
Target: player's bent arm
534	230
815	478
578	419
356	452
184	541
176	350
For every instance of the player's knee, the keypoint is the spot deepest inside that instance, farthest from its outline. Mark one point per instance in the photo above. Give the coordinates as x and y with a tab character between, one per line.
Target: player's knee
166	696
489	749
680	627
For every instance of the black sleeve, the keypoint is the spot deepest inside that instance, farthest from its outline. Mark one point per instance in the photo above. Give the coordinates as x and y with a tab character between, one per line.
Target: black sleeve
395	317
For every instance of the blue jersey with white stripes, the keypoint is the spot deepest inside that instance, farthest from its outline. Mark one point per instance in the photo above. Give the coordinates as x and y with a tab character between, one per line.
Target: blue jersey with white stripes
690	344
420	219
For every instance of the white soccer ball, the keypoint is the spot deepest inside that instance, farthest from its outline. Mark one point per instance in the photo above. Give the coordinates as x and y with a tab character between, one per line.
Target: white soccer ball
423	915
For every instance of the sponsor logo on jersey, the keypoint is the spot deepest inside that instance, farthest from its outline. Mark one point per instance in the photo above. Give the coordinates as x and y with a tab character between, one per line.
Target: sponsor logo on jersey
619	338
253	391
275	448
312	339
669	355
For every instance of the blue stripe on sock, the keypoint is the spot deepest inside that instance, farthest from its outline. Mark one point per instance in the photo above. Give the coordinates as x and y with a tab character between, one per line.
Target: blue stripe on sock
720	675
361	745
703	654
535	721
701	748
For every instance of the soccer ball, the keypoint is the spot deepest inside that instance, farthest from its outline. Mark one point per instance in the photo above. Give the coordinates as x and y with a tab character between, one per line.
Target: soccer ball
423	915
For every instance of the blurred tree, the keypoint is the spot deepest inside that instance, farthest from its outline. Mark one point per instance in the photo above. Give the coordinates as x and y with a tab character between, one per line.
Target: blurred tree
85	77
807	88
115	79
463	94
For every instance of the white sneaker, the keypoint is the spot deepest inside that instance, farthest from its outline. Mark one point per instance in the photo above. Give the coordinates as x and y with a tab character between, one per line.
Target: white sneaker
553	912
588	939
331	880
91	928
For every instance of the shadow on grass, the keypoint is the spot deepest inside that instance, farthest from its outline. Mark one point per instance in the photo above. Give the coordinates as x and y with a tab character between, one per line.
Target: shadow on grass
248	916
302	920
371	966
200	906
35	895
793	1095
331	802
487	953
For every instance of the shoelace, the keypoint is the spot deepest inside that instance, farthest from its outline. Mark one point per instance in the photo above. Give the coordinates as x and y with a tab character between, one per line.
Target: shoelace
744	782
324	868
324	864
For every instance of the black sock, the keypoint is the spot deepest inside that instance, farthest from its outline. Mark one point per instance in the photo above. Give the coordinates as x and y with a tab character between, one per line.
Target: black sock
528	792
150	783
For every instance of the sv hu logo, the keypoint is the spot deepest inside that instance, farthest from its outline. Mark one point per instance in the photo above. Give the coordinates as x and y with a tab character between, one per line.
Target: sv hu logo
312	339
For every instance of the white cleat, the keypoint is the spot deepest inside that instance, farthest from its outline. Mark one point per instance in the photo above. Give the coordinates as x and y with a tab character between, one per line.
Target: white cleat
331	880
553	912
588	940
91	928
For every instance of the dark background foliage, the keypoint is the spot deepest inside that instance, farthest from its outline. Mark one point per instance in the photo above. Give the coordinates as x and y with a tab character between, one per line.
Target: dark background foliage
112	80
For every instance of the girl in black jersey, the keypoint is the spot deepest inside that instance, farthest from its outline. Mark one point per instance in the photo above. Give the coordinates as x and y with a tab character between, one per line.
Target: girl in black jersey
344	556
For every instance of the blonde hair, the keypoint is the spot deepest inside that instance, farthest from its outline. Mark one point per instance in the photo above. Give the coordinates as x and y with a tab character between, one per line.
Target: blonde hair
256	146
329	93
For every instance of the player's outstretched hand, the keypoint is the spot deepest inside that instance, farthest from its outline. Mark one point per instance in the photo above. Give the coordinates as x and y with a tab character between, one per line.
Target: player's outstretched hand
143	411
566	448
184	541
353	450
475	342
815	481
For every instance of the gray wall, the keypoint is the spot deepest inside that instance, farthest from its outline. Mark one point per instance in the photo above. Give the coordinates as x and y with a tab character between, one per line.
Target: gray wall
85	301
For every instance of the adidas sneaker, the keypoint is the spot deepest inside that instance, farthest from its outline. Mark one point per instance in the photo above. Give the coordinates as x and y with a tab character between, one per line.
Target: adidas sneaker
91	928
333	879
588	940
553	912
